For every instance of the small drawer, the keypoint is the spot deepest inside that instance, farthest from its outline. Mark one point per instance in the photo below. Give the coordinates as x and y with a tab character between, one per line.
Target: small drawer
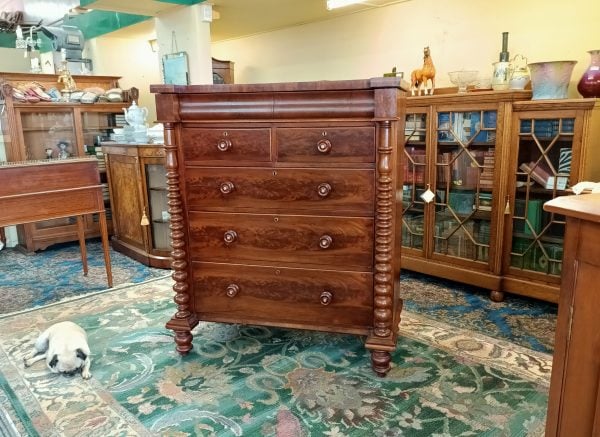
282	295
226	145
326	145
339	191
340	242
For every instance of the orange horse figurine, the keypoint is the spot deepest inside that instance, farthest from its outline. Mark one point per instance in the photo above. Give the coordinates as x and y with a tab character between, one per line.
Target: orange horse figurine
419	78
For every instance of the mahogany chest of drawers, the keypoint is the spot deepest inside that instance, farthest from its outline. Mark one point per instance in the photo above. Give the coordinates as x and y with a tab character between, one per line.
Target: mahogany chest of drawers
283	206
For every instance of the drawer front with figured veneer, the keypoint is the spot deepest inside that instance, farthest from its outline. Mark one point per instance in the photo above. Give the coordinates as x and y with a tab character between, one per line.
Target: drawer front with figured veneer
344	242
337	191
326	145
217	145
230	292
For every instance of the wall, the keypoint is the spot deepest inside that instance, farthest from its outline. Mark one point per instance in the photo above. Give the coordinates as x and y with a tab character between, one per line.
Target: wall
132	60
13	61
462	34
183	30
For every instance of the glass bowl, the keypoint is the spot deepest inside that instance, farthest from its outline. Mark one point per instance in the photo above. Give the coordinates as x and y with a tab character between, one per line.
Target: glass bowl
463	78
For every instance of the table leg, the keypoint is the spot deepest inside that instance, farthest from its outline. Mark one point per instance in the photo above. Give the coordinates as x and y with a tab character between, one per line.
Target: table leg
82	249
105	247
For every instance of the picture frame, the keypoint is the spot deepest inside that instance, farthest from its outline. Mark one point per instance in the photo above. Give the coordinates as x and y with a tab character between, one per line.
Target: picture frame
175	69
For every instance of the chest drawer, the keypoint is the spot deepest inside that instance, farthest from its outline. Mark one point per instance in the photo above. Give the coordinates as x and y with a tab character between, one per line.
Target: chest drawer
226	292
343	191
326	145
345	242
226	145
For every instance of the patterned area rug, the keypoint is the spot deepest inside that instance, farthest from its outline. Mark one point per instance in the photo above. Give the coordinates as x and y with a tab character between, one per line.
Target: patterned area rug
257	381
54	274
527	322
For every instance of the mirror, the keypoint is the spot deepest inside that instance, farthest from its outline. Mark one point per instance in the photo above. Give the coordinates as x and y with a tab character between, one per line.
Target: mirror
175	69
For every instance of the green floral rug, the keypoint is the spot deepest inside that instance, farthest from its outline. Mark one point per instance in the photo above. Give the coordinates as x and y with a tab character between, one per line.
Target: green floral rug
258	381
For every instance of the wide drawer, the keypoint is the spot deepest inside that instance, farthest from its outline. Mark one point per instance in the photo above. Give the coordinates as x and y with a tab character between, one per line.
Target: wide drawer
326	145
339	242
226	145
241	293
341	191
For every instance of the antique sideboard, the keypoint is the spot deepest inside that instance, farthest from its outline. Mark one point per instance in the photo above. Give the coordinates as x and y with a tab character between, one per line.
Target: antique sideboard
283	208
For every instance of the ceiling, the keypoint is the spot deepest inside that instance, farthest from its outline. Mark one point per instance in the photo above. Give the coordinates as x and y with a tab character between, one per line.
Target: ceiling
240	18
248	17
137	7
231	18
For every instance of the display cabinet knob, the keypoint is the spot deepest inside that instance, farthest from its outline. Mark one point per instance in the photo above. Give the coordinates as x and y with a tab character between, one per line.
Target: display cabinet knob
226	187
325	241
324	146
224	145
324	189
326	297
230	237
232	290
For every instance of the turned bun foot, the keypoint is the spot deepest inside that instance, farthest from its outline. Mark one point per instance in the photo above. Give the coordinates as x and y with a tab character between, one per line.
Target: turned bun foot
380	362
183	341
497	296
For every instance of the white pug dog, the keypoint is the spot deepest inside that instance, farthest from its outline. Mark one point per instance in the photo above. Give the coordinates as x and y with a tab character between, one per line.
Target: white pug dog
65	348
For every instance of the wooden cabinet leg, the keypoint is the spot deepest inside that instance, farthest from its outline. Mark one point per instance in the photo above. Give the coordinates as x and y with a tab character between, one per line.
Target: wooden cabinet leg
380	362
183	341
497	296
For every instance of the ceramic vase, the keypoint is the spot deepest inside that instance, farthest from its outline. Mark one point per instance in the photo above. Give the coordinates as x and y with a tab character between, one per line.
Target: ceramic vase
589	84
550	80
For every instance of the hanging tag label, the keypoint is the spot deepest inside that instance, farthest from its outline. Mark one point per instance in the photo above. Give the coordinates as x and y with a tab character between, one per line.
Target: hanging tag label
427	196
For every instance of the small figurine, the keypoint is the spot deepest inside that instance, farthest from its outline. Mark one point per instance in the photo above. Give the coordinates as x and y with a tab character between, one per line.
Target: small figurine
62	147
420	78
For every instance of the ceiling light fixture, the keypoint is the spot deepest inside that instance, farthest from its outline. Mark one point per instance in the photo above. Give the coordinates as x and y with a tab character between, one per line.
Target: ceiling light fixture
333	4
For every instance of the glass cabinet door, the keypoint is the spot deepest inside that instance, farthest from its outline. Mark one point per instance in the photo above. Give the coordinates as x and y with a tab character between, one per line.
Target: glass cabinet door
464	183
48	135
542	173
98	127
156	182
413	207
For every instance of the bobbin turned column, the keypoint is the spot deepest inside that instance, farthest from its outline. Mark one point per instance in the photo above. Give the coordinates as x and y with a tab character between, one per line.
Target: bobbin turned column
184	320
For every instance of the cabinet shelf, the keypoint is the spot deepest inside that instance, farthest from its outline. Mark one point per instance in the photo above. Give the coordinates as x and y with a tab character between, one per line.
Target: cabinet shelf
536	189
47	129
96	128
553	239
443	143
158	188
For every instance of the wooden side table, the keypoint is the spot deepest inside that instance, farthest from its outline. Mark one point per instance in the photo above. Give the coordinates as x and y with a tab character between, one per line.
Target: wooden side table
51	189
574	403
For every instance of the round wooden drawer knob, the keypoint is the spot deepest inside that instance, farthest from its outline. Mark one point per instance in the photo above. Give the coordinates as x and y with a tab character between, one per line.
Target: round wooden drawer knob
229	237
324	146
232	290
326	297
224	145
324	189
226	187
325	241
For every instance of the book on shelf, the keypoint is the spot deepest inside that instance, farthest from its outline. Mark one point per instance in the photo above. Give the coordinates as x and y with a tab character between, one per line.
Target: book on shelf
541	174
528	216
414	168
484	201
